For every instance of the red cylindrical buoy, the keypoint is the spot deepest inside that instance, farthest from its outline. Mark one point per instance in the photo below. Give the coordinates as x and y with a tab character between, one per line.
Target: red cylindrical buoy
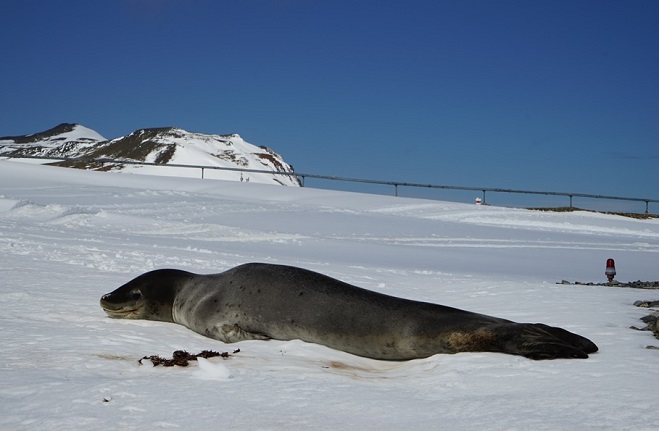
610	269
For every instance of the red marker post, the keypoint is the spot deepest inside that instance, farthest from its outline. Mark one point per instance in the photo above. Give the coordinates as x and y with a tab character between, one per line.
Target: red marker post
610	269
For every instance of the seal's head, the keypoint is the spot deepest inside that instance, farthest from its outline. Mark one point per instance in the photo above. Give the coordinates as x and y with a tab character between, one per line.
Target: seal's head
149	296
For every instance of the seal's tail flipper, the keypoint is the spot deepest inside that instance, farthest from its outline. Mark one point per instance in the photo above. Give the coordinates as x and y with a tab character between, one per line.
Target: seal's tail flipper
539	341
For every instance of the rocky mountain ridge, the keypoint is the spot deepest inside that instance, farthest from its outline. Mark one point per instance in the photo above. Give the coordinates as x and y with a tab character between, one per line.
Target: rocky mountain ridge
161	146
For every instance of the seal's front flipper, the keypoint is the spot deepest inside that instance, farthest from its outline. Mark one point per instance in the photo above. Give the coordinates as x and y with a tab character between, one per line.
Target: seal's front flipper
234	333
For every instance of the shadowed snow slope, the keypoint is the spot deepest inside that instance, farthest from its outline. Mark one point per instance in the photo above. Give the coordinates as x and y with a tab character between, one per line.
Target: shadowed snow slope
70	236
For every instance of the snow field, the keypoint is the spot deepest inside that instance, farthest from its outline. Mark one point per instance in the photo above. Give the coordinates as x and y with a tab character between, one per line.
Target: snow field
67	237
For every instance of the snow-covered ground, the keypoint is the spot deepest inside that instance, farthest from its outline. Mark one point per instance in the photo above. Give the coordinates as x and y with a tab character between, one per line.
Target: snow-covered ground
68	236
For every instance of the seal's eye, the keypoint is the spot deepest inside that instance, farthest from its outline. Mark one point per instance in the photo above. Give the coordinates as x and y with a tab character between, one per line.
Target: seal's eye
135	295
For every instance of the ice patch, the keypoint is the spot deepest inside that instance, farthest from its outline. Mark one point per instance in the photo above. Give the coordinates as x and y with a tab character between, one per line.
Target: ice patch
211	370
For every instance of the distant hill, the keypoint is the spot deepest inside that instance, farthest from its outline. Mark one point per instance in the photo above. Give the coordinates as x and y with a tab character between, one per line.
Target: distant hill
166	145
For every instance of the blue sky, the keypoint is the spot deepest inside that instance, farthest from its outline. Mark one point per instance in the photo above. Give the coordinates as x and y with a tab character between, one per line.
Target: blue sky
540	95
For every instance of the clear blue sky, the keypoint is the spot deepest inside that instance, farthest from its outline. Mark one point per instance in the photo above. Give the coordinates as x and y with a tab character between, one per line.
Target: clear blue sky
543	95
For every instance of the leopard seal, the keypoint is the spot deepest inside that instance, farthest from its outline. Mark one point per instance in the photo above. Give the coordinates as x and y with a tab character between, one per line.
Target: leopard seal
257	301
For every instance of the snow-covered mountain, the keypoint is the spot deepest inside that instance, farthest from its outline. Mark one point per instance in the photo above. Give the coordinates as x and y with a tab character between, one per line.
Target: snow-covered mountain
65	140
157	145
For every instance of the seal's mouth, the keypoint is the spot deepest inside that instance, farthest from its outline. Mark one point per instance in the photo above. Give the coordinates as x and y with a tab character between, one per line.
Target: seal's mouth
121	313
126	311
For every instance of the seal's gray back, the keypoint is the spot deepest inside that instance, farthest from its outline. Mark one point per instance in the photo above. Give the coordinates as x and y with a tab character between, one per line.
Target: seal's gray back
282	302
